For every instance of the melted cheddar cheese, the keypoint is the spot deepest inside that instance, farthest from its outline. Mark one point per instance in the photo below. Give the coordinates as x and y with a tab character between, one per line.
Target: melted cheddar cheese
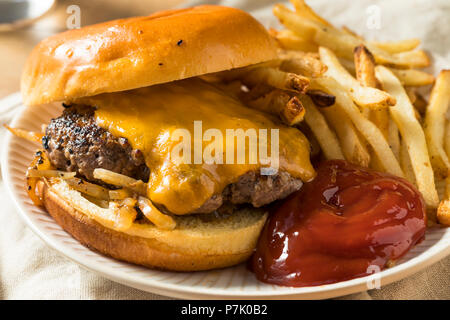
148	117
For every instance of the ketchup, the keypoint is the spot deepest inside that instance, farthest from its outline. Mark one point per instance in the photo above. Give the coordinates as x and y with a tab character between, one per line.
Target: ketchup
344	224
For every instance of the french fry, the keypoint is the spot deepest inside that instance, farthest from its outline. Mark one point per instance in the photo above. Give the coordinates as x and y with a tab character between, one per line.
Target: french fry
304	10
420	104
302	66
406	164
375	162
290	40
381	119
447	188
364	63
314	146
370	132
304	28
447	139
365	97
443	212
24	134
301	63
158	218
411	93
397	46
349	65
394	138
365	74
366	112
268	101
441	188
407	59
321	99
325	136
343	43
413	77
408	77
435	123
276	78
280	103
351	32
413	135
353	148
365	67
364	70
293	112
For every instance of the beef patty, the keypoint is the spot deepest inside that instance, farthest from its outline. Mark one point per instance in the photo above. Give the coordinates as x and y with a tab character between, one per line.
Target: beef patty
74	142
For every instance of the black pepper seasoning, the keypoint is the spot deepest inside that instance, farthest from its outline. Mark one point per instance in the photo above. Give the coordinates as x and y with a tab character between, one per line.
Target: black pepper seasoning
45	142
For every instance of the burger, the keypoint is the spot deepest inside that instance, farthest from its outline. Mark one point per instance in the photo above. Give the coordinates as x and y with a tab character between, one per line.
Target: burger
131	91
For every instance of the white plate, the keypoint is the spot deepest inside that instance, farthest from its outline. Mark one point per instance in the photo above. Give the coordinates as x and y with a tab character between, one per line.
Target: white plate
230	283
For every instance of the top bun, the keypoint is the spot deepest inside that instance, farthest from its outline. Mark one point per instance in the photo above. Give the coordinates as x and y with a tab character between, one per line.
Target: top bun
142	51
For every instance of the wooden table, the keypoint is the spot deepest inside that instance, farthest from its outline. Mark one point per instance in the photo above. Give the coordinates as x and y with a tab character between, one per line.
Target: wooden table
15	46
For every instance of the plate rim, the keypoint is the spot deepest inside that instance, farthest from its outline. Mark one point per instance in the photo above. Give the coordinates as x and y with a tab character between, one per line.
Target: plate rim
387	276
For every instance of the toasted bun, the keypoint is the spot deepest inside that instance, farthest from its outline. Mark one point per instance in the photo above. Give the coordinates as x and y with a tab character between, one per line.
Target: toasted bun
142	51
195	244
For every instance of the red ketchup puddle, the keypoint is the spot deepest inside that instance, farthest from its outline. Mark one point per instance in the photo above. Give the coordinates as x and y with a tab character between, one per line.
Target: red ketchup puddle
339	226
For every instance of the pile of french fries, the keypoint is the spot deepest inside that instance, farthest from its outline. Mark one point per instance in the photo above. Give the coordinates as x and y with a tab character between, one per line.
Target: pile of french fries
359	98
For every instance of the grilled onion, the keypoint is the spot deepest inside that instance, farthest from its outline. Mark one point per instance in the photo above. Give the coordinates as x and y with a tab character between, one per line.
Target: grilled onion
159	219
120	180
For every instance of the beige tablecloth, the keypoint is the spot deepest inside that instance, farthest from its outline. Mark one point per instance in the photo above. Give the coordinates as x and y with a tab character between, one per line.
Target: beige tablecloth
31	270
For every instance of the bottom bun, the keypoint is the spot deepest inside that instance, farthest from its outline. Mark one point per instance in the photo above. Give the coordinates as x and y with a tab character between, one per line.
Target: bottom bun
197	243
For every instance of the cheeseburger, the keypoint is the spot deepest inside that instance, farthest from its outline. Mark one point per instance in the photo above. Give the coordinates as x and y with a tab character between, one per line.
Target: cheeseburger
131	91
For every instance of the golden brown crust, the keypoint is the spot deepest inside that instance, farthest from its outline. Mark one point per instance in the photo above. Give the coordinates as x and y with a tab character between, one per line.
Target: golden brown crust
147	252
142	51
